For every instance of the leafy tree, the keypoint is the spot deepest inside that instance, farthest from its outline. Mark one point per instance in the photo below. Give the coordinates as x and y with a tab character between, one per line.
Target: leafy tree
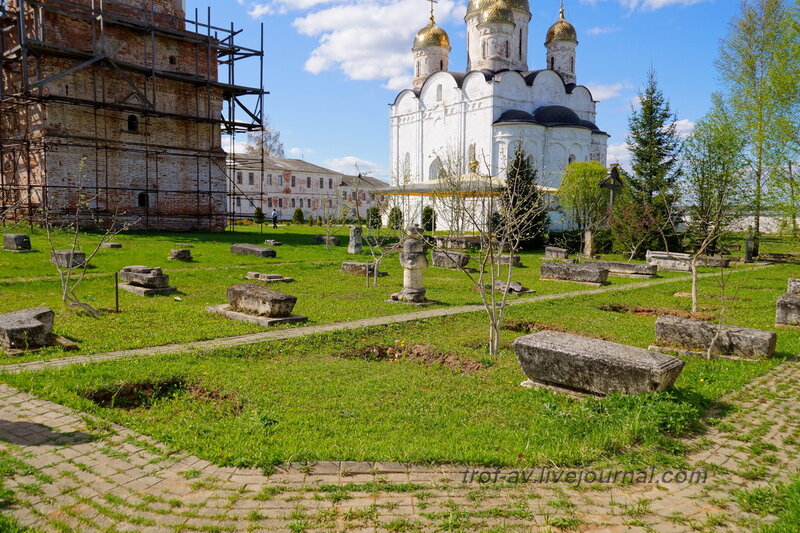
268	139
428	218
374	218
395	219
714	162
758	62
581	196
258	216
298	217
654	145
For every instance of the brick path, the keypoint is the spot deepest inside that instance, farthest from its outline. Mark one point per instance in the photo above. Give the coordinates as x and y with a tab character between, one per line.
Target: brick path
77	473
253	338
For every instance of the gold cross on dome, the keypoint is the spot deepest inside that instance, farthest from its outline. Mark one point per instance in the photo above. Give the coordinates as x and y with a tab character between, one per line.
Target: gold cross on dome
432	2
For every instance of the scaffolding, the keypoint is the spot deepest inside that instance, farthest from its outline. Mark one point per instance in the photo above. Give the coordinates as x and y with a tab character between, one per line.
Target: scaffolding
153	158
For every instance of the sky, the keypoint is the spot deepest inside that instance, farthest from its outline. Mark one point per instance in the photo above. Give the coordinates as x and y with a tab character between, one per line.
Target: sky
332	67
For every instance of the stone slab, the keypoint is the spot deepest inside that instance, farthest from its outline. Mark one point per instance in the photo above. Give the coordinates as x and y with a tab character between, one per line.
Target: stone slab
16	242
147	291
252	249
713	261
515	260
728	340
448	259
360	269
271	242
552	270
257	300
793	286
181	254
26	328
632	270
674	261
554	252
142	276
68	258
111	245
788	310
592	365
330	240
230	314
268	278
513	288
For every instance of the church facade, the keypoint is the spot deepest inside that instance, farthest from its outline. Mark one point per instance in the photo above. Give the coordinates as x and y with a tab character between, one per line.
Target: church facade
483	114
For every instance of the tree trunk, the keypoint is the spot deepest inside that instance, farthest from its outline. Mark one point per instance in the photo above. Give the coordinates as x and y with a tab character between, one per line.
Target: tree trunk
694	284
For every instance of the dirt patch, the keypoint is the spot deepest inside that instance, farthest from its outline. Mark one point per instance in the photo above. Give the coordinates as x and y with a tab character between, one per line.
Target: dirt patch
523	326
709	297
653	311
421	353
143	394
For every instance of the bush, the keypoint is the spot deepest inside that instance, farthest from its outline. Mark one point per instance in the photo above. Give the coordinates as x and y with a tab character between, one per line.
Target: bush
258	216
428	218
298	217
374	218
395	218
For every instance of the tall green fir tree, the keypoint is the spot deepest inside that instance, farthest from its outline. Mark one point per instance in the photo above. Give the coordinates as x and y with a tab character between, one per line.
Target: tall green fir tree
520	197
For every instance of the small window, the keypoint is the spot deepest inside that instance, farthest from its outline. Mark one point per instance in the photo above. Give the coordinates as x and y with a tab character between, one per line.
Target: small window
173	60
416	69
301	202
280	202
506	49
269	180
571	159
321	183
292	202
269	202
552	63
143	200
133	123
330	203
483	49
441	64
238	202
330	183
239	178
251	179
438	93
572	64
294	181
520	43
280	181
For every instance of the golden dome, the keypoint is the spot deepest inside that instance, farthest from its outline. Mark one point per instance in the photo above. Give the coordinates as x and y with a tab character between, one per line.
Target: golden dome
497	12
561	31
476	6
431	35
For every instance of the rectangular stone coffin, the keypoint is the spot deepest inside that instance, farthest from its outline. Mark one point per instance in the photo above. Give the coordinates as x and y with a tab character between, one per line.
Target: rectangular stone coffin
330	240
257	300
632	270
794	287
16	242
360	269
712	261
68	258
28	328
697	335
143	276
595	366
447	259
252	249
669	261
554	252
569	272
788	310
515	260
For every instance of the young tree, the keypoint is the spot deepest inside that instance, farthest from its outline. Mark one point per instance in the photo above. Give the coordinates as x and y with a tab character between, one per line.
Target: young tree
654	145
428	218
374	218
395	218
267	139
758	63
298	217
582	197
714	162
258	216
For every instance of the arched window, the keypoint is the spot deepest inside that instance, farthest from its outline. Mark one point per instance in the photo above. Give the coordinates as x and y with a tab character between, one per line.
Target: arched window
143	200
506	49
436	170
572	64
438	93
520	43
133	123
571	159
441	65
406	165
483	49
471	160
552	63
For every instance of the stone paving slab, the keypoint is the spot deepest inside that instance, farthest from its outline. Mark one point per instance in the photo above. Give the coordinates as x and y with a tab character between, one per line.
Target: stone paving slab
75	485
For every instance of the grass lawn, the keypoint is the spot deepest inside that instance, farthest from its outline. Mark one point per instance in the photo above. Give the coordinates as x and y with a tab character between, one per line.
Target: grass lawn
425	392
324	294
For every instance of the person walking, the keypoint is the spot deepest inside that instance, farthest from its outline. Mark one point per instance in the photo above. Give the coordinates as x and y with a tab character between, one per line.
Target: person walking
274	219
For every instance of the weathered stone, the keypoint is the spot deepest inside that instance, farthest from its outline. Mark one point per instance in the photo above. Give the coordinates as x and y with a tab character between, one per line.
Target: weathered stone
257	300
632	270
513	288
142	276
779	258
448	259
794	287
592	365
271	242
183	254
458	242
68	258
554	252
355	244
252	249
788	310
330	240
670	261
16	242
360	269
28	328
111	245
515	260
712	261
269	278
567	272
698	335
749	248
413	261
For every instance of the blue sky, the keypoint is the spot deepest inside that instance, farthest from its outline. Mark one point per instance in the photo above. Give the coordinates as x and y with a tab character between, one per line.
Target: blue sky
333	66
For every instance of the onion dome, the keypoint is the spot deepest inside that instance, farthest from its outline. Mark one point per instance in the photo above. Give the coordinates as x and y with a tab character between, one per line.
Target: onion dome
561	31
477	6
498	12
431	35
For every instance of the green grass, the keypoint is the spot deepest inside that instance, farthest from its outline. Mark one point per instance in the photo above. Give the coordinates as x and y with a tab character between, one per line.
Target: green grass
300	400
324	294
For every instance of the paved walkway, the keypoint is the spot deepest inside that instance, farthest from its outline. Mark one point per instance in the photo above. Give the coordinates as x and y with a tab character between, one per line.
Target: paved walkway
254	338
73	472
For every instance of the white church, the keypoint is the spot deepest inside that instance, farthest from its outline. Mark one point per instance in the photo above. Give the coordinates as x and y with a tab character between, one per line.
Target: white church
484	113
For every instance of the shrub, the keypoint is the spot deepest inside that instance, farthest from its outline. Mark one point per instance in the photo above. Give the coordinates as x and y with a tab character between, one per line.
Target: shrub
258	216
395	218
298	217
428	218
374	218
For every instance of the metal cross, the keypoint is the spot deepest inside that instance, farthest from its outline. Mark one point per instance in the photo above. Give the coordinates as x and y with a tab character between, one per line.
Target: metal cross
432	2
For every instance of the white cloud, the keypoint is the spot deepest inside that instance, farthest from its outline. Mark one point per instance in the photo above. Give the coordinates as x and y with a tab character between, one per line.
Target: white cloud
619	153
602	30
301	152
684	127
602	92
648	5
347	165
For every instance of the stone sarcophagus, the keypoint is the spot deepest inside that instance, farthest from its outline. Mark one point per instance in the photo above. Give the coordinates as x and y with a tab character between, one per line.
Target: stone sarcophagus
145	281
698	335
252	249
360	268
68	259
669	261
788	310
593	366
554	252
552	270
257	300
16	242
26	329
631	270
449	259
